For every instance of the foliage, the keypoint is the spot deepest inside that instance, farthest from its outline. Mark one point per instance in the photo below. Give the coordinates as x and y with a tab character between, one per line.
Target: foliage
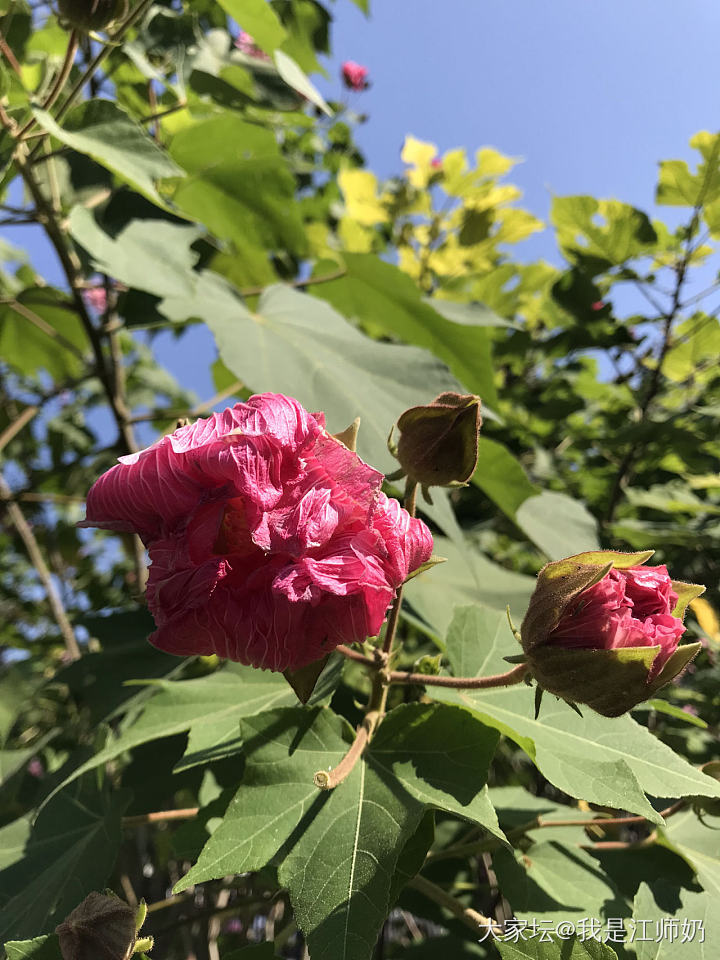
188	182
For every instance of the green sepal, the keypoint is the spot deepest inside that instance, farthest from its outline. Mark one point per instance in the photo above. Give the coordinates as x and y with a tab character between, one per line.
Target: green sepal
686	592
428	565
144	944
303	680
538	699
140	914
516	658
610	682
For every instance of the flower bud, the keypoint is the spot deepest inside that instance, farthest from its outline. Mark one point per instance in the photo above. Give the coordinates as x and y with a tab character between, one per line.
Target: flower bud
87	15
102	927
438	445
602	629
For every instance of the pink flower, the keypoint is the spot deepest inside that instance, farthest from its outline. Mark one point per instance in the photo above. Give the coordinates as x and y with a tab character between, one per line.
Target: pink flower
597	306
246	44
270	541
96	298
629	607
436	163
355	76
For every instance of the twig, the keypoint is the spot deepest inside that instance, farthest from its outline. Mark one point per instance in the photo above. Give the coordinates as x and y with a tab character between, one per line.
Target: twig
160	816
329	779
509	679
9	55
626	465
122	27
298	284
37	321
59	83
16	426
471	918
353	655
25	533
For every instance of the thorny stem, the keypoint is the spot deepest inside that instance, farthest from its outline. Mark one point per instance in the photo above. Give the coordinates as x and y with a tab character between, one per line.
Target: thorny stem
329	779
471	918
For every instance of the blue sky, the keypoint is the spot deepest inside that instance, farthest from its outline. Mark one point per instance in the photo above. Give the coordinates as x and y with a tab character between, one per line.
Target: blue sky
590	95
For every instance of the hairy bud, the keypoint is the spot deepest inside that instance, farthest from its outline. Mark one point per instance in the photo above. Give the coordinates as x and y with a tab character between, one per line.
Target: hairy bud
438	445
602	629
102	927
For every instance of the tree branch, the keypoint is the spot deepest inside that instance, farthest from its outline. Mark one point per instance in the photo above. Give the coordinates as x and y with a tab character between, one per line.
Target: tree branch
17	517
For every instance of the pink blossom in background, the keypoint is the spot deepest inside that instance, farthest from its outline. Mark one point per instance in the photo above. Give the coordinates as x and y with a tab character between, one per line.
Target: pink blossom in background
598	305
627	608
96	298
35	768
270	541
436	163
355	76
245	44
689	708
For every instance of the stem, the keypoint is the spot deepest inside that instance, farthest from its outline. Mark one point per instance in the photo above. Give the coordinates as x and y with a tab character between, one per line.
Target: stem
375	710
37	321
627	463
358	657
509	679
462	850
125	25
471	918
9	55
59	83
298	284
160	816
410	496
32	547
11	431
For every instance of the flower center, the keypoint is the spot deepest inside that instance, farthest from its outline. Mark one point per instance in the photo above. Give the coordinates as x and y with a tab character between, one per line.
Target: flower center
234	535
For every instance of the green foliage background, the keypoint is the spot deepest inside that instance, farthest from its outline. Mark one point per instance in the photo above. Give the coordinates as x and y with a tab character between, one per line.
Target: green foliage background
196	184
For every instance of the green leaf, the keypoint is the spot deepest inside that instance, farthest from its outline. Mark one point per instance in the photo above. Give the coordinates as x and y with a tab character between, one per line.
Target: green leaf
662	706
381	295
441	756
559	525
412	858
208	707
284	749
501	477
150	255
41	948
467	577
556	949
238	184
694	932
609	762
300	346
699	844
554	881
294	77
677	186
340	848
46	344
104	131
258	19
69	852
601	233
